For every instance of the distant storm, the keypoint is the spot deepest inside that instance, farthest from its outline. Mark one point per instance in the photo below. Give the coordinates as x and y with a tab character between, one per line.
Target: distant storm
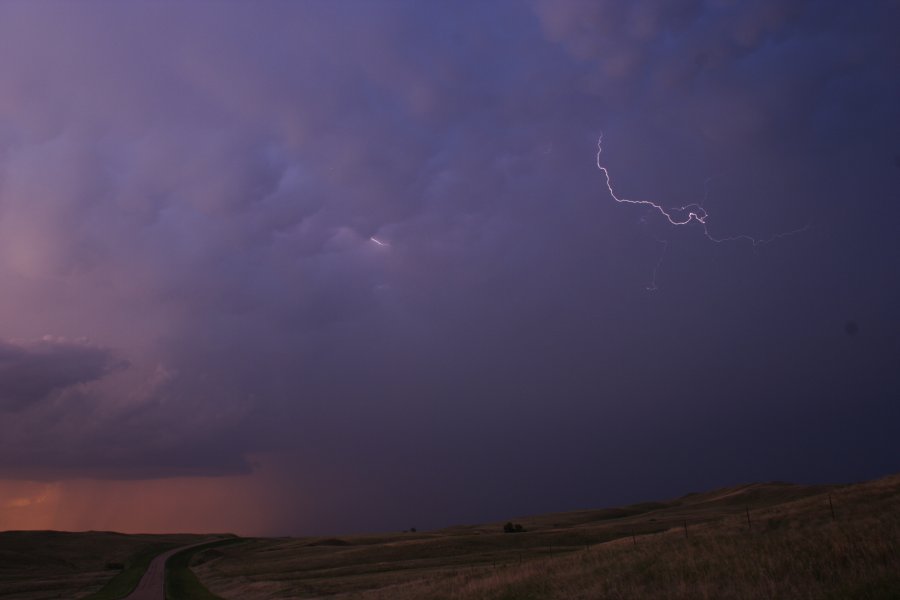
350	266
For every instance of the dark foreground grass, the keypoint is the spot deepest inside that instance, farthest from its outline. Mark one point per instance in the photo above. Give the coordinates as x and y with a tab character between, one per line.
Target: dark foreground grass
38	565
181	583
124	583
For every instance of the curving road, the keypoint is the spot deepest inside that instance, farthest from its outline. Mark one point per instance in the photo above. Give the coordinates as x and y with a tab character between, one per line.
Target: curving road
153	584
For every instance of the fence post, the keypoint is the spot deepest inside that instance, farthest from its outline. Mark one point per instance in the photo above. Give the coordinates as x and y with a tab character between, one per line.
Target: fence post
749	525
685	529
831	505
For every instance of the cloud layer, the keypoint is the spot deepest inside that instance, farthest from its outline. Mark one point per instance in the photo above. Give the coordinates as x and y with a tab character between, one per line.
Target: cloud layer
195	190
30	374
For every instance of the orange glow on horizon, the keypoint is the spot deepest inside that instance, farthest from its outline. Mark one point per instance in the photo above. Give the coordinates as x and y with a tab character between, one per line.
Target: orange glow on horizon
241	504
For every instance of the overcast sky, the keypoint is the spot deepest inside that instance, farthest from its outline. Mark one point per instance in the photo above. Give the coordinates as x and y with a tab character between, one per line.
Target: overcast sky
315	266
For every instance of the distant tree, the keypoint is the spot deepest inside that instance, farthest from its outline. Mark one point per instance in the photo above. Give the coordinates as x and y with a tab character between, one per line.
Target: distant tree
412	529
511	527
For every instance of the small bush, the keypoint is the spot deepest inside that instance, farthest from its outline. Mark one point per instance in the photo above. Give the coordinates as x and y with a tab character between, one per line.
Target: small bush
511	527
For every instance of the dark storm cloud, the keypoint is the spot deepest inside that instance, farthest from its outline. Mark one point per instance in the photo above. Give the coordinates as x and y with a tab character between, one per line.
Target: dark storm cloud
197	188
29	374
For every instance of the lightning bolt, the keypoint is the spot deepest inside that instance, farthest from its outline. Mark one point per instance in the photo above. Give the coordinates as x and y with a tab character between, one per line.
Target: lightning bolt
379	242
685	215
651	287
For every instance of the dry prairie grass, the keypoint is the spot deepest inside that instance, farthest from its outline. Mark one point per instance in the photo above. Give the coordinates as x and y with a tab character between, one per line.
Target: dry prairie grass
793	550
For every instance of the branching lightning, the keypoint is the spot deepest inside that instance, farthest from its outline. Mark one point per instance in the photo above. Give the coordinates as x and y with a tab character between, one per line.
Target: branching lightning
685	215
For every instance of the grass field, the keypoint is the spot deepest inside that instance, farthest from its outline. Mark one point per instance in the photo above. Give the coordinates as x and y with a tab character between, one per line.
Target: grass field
698	546
37	565
771	540
181	583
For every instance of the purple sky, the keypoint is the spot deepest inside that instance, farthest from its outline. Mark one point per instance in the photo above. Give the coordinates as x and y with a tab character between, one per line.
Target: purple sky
188	193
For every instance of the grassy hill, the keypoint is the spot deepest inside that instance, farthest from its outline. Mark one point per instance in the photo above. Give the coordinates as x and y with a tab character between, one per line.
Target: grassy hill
693	547
764	540
35	565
